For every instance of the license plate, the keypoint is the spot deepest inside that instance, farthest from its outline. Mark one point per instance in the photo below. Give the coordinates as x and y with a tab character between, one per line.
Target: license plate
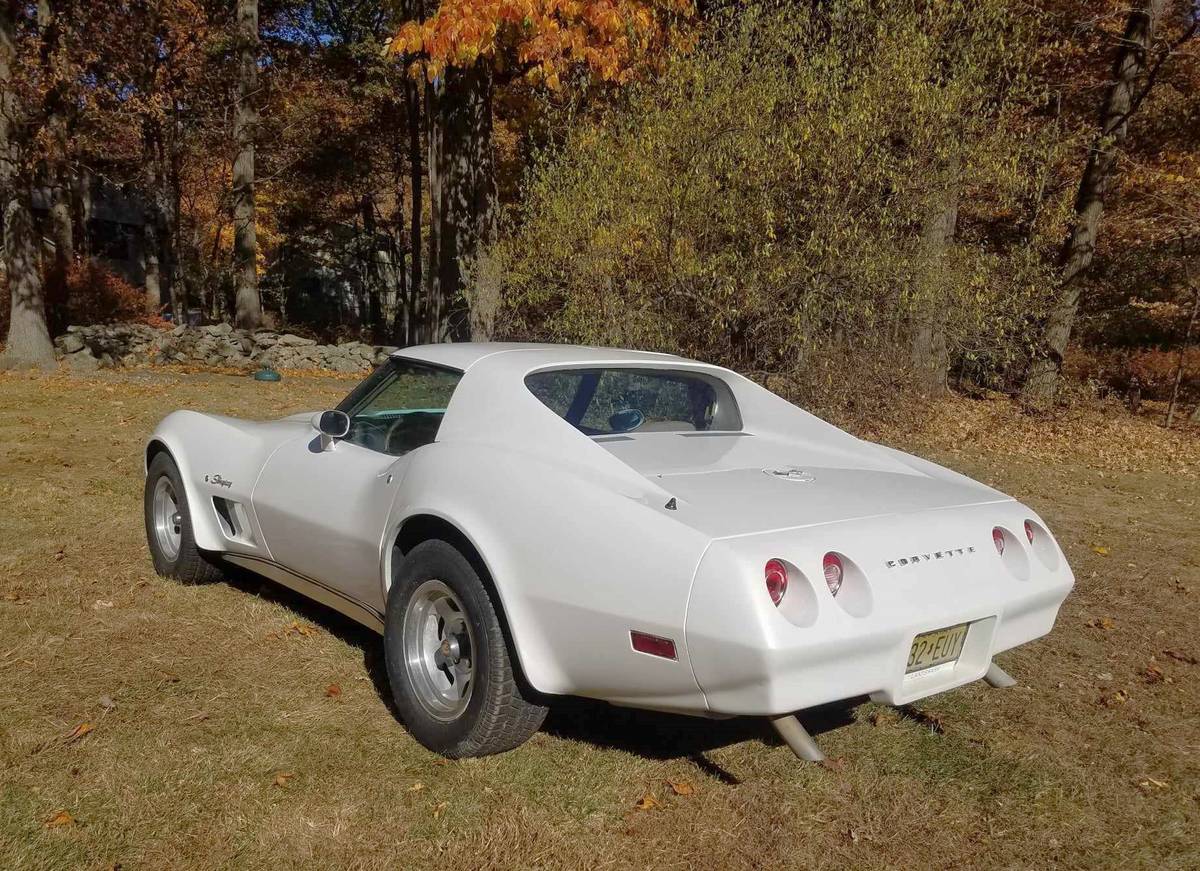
938	647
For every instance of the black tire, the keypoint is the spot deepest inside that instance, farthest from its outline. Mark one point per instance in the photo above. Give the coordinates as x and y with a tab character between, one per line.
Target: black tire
499	714
189	564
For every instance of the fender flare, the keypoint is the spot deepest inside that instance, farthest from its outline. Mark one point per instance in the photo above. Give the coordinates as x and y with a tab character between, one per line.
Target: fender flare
526	645
204	524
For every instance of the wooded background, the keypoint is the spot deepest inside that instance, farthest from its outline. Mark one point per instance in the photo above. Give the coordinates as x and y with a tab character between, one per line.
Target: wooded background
853	197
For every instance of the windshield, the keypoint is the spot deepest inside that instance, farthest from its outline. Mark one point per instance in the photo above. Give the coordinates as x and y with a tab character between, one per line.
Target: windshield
626	400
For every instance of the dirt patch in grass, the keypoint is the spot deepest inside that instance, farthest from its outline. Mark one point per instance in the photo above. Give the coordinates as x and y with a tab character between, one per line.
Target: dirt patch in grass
212	739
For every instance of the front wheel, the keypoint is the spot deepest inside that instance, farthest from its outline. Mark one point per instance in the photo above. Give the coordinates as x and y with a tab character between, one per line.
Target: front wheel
447	659
169	526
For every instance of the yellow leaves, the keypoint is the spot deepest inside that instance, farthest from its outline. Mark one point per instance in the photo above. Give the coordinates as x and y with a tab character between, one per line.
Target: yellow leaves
282	778
1114	699
1104	623
1100	549
646	803
649	801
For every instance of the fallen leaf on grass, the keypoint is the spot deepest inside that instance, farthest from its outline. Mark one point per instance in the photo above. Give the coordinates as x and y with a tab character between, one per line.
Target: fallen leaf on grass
1180	656
282	778
107	703
1112	700
1100	549
680	787
1105	623
333	691
646	803
1152	674
1149	784
59	818
416	787
59	555
837	763
78	732
440	808
101	603
293	628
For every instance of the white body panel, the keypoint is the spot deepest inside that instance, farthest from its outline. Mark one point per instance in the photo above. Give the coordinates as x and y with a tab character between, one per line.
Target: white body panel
667	533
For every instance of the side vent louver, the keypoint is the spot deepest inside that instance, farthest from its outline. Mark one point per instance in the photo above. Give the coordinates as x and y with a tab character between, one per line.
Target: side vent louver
232	517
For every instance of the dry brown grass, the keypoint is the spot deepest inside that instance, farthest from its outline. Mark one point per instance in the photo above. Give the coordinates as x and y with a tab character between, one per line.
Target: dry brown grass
204	699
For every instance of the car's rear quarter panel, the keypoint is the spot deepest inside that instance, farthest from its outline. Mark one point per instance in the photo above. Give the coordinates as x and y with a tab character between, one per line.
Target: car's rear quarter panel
578	562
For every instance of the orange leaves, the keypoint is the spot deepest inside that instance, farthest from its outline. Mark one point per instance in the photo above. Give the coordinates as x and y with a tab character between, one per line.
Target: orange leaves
58	819
78	732
545	37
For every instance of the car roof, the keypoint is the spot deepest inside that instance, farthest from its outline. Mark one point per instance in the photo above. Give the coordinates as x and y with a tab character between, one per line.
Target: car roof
464	355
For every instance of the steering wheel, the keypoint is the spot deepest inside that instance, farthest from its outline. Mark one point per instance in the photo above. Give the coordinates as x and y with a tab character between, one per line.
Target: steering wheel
394	428
626	419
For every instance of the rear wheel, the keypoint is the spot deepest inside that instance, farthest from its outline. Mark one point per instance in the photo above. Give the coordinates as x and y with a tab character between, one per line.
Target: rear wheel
447	659
169	526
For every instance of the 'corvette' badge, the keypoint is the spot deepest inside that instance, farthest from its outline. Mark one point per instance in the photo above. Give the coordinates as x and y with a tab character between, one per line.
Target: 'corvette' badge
792	474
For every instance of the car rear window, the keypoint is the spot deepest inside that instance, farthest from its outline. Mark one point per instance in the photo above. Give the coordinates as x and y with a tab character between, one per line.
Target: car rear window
606	401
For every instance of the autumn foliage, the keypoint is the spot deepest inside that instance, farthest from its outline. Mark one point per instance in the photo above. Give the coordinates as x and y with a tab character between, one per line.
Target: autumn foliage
542	38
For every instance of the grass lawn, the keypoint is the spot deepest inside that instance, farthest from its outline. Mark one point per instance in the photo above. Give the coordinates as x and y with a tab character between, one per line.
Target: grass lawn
148	725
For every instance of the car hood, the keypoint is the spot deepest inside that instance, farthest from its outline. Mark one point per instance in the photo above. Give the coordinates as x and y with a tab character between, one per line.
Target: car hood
742	484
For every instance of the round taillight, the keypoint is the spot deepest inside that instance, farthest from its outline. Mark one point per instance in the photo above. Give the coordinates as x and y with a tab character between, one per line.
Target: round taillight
833	572
776	577
1029	530
998	540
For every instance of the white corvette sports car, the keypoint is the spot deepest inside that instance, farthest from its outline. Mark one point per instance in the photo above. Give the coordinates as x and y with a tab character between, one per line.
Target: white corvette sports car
526	521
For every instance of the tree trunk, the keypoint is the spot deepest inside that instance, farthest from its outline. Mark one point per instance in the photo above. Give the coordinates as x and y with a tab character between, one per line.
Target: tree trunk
430	320
54	173
1129	71
28	345
152	236
1183	346
248	311
928	348
28	342
408	308
170	200
463	189
152	262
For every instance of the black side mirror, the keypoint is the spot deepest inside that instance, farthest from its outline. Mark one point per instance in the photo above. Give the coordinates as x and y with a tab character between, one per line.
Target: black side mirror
331	425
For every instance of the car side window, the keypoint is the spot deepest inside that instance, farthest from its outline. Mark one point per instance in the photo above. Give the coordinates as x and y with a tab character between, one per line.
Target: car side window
399	407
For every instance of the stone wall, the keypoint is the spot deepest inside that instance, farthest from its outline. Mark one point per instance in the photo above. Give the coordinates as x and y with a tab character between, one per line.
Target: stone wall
105	345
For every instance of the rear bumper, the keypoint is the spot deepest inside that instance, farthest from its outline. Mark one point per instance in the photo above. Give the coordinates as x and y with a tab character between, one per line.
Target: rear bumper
777	665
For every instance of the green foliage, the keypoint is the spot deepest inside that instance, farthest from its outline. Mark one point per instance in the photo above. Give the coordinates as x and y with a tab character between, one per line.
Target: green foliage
772	195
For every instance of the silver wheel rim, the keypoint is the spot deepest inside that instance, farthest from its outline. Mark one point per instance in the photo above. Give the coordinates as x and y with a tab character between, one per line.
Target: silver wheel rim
168	523
439	651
